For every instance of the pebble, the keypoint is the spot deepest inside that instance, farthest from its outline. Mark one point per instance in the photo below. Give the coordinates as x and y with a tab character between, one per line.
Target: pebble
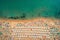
6	24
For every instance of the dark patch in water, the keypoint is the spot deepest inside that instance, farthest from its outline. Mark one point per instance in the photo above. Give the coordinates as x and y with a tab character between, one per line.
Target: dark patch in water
23	16
1	14
14	17
39	15
18	17
57	15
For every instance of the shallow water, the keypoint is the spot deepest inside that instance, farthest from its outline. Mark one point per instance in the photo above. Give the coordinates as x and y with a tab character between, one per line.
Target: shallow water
31	8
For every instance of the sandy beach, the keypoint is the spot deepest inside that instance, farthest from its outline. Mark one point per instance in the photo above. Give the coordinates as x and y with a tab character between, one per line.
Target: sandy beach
25	29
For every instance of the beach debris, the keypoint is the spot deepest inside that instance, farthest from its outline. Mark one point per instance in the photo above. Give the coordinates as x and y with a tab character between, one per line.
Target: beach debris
0	25
6	24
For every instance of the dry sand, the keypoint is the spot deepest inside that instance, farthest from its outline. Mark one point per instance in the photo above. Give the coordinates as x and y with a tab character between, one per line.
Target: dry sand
30	23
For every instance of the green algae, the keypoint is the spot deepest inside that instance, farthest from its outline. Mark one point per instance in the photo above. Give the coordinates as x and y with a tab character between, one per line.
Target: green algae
58	33
0	26
1	33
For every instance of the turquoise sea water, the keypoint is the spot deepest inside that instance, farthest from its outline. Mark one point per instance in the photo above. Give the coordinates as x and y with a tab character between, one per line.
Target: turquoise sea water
29	8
